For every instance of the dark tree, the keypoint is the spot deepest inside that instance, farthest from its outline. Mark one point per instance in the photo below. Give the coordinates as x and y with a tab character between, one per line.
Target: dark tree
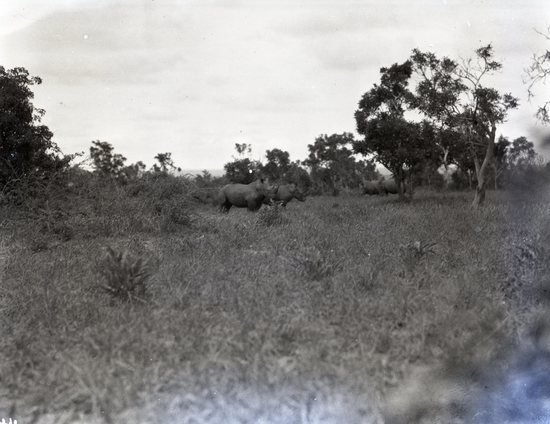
332	163
521	153
298	175
277	165
400	145
165	163
134	171
242	170
204	179
105	161
26	146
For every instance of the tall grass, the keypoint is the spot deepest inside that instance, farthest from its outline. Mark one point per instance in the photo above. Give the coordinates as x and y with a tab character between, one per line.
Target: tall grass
316	314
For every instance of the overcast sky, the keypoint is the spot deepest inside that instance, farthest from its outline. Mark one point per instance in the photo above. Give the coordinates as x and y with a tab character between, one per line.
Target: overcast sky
195	77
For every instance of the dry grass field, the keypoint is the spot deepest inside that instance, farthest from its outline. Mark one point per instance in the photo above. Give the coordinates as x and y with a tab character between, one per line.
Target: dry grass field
338	310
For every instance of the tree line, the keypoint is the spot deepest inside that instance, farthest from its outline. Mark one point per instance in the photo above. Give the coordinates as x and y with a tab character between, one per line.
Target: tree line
424	115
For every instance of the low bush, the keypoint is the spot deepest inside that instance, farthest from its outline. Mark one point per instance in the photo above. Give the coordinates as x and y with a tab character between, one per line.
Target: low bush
269	216
124	276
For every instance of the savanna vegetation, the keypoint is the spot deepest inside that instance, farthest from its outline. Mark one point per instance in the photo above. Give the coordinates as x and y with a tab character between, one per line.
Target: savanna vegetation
126	296
316	311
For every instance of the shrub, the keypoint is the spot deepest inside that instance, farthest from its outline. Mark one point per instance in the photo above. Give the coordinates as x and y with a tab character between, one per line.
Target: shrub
270	216
313	265
414	252
175	214
124	276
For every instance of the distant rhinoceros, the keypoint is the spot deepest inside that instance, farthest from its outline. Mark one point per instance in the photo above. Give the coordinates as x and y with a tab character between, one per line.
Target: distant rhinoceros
205	195
373	187
249	196
390	186
285	193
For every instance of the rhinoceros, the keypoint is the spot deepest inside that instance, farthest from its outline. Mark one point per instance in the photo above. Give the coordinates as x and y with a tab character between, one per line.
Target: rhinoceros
249	196
390	186
373	187
284	194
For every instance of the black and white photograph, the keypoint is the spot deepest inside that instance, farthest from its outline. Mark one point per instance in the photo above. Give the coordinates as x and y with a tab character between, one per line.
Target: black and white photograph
275	212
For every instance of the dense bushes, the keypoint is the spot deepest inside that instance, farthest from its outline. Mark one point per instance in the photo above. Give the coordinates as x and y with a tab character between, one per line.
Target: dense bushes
83	205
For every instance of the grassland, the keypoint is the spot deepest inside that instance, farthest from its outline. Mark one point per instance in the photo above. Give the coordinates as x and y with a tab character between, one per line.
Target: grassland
313	314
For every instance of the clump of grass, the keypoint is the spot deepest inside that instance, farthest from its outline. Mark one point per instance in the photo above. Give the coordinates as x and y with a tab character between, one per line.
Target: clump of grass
270	216
45	227
175	214
528	276
125	276
314	265
414	252
39	243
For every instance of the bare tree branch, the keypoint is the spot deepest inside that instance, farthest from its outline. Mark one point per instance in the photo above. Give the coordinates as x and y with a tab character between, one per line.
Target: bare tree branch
536	74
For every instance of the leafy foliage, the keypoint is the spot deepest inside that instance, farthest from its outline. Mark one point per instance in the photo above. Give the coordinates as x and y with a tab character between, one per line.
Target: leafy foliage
279	168
521	152
27	150
277	165
105	161
242	170
452	96
124	276
298	175
271	216
397	143
165	163
333	165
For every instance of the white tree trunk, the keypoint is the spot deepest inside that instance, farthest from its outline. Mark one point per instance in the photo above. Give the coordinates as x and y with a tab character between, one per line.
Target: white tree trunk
481	171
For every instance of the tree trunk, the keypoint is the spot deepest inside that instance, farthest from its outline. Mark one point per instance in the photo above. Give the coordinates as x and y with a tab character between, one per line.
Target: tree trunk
446	176
496	174
399	181
446	167
481	171
410	187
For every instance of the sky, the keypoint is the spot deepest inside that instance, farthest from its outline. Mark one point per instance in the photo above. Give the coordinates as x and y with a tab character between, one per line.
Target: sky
195	77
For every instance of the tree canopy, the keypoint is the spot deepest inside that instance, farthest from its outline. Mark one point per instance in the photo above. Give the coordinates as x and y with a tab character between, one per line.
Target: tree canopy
397	143
452	116
242	169
333	165
26	145
277	165
453	95
165	163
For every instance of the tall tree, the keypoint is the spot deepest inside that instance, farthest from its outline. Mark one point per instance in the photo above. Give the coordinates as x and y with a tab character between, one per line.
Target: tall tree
436	95
481	111
397	143
26	145
454	95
